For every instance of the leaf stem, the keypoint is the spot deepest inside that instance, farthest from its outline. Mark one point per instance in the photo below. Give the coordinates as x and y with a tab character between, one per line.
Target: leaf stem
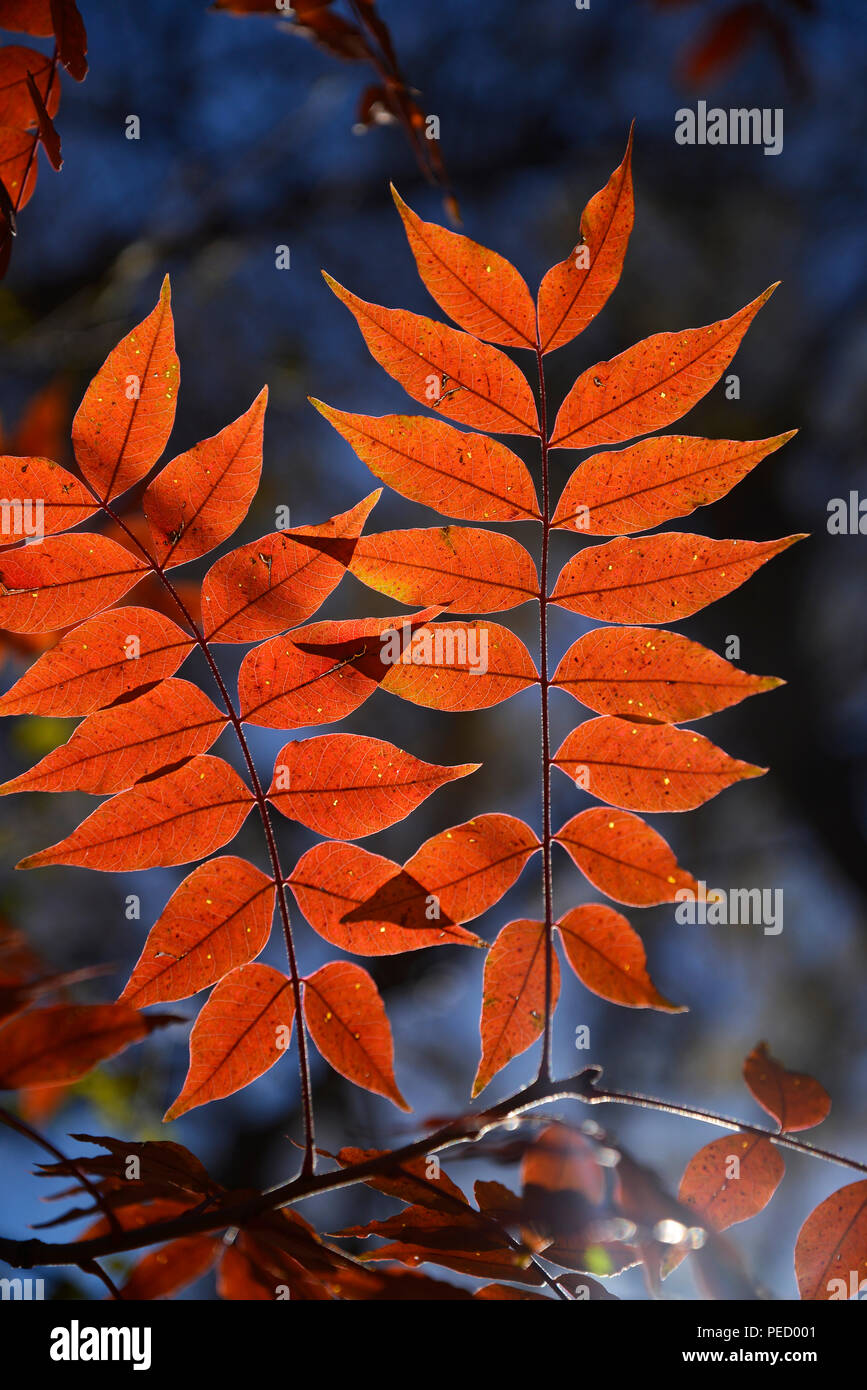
547	875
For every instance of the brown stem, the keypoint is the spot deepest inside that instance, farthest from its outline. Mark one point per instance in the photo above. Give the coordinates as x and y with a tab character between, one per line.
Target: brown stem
547	876
14	1122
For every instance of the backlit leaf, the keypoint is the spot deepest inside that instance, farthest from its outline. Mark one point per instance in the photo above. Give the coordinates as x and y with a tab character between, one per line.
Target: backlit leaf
60	1043
114	748
39	490
346	1019
614	494
346	785
651	384
217	919
16	104
639	673
469	569
453	372
101	660
622	856
187	814
242	1030
202	496
832	1246
270	584
467	476
63	580
722	1199
513	997
172	1267
480	290
660	578
648	767
795	1100
573	292
124	422
608	957
334	878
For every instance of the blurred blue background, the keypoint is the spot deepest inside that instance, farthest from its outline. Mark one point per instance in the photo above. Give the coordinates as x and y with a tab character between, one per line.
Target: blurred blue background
246	145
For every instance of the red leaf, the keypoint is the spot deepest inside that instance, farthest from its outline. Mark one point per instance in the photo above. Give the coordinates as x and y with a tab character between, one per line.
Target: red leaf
45	493
572	293
466	870
30	16
513	1000
347	785
187	814
623	857
270	584
62	1042
18	167
62	580
648	767
202	496
722	1200
449	371
16	103
632	489
795	1100
47	132
217	919
346	1020
172	1267
660	578
99	662
472	570
243	1029
333	878
480	290
639	673
651	384
124	422
71	38
608	957
831	1252
115	748
467	476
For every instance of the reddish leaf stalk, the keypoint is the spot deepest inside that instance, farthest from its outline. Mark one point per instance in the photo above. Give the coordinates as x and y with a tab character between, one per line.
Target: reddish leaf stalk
547	840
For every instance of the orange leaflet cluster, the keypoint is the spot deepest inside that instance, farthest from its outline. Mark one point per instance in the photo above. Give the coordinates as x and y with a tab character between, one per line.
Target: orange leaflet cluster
146	734
29	98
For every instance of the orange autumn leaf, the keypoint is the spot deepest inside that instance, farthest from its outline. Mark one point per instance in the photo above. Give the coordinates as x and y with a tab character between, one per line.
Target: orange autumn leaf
660	578
477	288
461	872
831	1250
461	666
270	584
102	660
608	957
243	1029
16	103
184	815
466	568
124	422
651	384
346	785
633	489
63	501
62	1042
346	1019
648	767
513	997
114	748
641	673
201	497
63	580
467	476
217	919
333	878
71	37
724	1193
572	293
796	1101
624	857
18	169
448	370
30	16
172	1267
